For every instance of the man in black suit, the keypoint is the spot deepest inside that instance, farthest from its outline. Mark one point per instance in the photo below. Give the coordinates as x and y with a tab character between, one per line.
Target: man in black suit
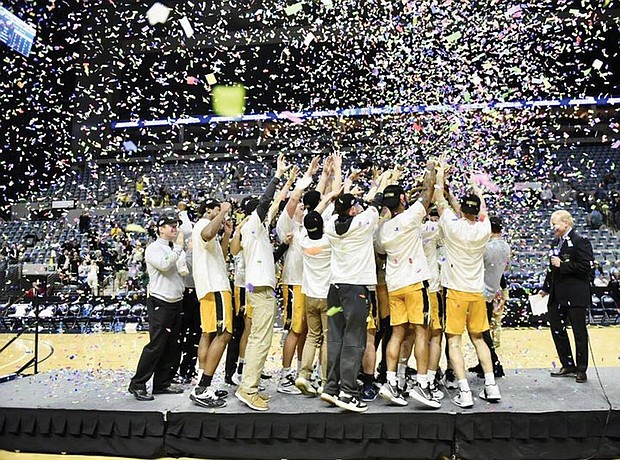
568	286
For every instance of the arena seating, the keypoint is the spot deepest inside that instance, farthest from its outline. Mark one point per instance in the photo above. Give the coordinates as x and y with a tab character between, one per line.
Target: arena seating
527	227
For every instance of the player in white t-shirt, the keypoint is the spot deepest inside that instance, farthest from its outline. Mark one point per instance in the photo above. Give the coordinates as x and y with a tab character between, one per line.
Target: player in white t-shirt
463	277
210	274
407	274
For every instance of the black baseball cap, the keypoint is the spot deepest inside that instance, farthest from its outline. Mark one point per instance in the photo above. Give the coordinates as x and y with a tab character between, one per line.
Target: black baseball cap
470	204
311	199
313	222
391	196
208	203
249	204
168	220
344	202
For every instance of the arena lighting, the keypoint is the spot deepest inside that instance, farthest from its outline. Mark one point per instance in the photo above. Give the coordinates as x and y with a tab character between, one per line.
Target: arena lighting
366	111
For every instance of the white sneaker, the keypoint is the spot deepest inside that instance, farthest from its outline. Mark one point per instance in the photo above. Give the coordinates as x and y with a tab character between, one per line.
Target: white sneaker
287	385
351	403
330	399
490	393
464	399
206	397
236	378
436	392
424	396
392	393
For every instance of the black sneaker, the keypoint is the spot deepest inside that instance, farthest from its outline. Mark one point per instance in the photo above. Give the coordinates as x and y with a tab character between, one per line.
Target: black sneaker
449	380
351	403
476	369
369	393
499	371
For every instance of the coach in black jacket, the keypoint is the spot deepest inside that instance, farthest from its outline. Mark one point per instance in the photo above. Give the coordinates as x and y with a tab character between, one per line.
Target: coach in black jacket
568	286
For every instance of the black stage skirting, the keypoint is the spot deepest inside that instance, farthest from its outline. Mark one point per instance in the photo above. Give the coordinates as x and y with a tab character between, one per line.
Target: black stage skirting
82	412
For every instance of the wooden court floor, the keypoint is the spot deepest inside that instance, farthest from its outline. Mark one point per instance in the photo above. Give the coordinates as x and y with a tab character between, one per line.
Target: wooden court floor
520	349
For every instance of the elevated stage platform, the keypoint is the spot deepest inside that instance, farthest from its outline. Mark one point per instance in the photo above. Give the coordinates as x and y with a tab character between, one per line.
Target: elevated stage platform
80	412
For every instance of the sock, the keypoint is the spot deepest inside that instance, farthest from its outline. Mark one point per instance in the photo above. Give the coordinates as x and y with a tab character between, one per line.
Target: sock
240	366
464	385
199	376
431	375
284	372
298	366
423	380
489	379
391	377
401	373
367	379
205	380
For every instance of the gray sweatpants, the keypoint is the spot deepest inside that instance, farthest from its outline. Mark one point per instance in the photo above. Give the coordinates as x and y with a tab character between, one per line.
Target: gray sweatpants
346	337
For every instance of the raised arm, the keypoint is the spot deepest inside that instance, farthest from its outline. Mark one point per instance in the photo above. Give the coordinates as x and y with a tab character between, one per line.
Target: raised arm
301	185
428	186
210	231
265	200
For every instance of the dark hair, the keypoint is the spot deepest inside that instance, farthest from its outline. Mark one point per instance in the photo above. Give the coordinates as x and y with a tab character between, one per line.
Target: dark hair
311	199
496	224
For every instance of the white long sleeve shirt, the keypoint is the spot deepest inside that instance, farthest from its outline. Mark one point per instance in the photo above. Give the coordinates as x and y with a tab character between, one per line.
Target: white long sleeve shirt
165	283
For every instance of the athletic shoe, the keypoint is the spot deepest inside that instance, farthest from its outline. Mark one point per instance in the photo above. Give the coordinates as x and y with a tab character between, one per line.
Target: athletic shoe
330	399
435	391
305	386
392	393
287	385
264	396
236	378
410	382
222	394
449	380
253	401
369	393
265	376
424	396
205	397
464	399
490	393
351	403
410	371
498	371
477	369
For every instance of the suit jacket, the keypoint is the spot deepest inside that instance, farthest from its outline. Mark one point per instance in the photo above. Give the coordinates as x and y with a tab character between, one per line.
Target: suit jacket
569	284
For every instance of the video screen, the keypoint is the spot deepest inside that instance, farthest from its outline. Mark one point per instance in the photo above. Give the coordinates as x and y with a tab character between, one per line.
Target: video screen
15	33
